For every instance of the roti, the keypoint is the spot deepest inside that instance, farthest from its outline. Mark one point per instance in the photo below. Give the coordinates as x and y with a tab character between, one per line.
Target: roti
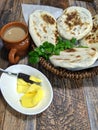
43	27
91	39
75	58
74	22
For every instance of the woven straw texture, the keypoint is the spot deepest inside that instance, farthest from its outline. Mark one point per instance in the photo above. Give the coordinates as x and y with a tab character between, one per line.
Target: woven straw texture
62	72
69	74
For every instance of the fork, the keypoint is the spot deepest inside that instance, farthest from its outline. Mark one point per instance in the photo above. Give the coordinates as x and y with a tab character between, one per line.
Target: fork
25	77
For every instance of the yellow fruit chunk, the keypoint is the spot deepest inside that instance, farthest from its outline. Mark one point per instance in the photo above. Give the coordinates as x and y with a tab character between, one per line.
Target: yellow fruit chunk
33	93
38	97
22	86
33	87
26	100
33	96
33	78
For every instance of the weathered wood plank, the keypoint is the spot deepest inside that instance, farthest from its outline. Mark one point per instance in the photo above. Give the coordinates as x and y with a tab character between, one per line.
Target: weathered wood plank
13	120
91	95
68	110
61	4
2	111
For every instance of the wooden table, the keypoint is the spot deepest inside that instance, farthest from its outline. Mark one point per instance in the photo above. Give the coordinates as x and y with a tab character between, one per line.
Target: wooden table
75	102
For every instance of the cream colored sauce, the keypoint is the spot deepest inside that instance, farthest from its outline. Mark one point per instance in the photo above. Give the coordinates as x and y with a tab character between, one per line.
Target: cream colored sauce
14	34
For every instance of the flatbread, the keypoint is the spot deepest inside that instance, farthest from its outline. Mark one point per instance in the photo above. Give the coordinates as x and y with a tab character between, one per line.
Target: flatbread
75	58
91	39
43	27
74	22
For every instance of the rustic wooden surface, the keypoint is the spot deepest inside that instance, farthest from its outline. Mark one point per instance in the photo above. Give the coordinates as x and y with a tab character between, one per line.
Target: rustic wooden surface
75	102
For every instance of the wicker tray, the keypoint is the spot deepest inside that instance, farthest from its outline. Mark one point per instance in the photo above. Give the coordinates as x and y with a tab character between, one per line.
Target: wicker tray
87	73
69	74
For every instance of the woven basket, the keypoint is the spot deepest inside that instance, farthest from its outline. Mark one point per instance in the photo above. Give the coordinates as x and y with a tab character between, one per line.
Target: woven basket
62	72
69	74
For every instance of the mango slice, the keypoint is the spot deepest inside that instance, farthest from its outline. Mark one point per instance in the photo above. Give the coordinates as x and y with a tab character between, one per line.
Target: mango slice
33	96
32	93
33	78
33	87
22	86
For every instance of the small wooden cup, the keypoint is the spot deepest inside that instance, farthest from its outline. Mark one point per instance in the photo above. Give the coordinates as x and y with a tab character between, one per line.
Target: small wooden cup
17	45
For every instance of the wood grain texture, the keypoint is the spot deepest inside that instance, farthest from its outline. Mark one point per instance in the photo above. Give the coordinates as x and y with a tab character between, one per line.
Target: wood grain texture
91	95
60	3
68	110
75	102
2	111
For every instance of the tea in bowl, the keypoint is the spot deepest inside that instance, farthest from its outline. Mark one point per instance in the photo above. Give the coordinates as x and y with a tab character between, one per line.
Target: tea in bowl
16	39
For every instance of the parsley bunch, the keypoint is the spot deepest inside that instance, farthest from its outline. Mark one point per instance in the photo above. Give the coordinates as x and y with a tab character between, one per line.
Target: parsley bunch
48	49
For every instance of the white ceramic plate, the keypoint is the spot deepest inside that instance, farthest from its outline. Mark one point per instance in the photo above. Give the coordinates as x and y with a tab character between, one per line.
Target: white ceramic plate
8	86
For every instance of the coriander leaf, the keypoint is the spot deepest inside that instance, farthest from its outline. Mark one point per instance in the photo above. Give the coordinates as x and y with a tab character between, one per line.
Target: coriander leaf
47	49
46	57
38	51
80	46
56	51
68	44
73	40
33	53
34	59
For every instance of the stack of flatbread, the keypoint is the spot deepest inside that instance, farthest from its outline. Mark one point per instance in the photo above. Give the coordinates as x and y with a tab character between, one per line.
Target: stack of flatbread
74	22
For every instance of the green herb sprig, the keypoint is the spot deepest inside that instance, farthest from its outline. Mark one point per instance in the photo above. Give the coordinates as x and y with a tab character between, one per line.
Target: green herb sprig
48	49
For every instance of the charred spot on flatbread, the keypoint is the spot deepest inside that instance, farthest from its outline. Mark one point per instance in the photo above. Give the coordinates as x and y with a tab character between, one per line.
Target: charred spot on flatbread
92	52
48	19
73	19
44	29
70	50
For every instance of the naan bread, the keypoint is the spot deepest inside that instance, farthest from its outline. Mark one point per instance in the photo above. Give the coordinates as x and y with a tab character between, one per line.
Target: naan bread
43	27
74	22
91	39
75	58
